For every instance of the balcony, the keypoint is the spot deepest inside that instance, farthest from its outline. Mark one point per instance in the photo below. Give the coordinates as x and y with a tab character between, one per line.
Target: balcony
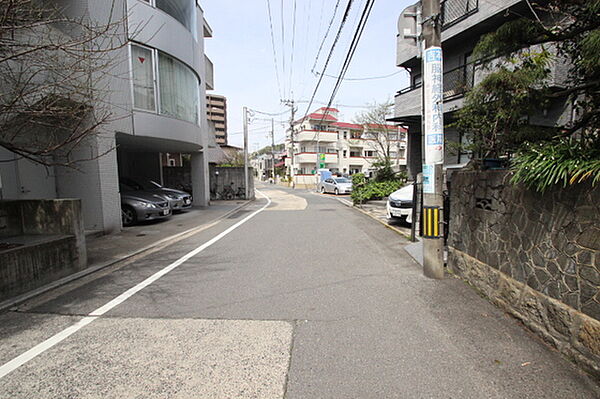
457	82
311	157
313	135
209	73
454	11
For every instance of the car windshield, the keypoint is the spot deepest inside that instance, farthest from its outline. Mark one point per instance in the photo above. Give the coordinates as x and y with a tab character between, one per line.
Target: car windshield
341	180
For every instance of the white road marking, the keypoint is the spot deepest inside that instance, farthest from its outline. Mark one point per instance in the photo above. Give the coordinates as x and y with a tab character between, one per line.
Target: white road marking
61	336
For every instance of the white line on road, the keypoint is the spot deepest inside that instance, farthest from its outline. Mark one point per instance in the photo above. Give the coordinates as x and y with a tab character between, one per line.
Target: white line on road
61	336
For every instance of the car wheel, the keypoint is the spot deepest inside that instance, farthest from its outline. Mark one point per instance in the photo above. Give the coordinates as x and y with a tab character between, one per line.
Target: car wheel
322	189
336	191
128	215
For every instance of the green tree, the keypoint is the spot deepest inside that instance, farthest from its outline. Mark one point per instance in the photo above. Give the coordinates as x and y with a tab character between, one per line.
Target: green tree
374	120
497	111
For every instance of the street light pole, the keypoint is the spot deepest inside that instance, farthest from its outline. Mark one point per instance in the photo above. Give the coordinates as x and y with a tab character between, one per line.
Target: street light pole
246	182
433	132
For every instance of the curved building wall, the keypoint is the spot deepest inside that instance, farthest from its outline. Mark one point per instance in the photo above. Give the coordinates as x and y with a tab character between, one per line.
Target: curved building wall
163	35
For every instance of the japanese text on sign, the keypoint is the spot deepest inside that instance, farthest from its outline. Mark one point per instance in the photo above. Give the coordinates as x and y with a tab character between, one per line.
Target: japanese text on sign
433	106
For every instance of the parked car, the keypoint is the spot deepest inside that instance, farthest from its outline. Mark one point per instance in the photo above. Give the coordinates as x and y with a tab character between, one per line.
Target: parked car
335	185
399	204
137	206
178	200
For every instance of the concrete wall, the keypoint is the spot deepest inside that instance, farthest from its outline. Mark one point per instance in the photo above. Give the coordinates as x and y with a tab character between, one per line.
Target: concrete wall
234	177
536	255
49	243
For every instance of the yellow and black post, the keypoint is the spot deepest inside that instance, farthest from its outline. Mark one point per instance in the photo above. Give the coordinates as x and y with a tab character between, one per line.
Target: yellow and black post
431	222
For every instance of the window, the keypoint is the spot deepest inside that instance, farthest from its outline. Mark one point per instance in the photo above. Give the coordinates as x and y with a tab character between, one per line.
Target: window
179	95
369	153
183	11
417	80
345	135
143	78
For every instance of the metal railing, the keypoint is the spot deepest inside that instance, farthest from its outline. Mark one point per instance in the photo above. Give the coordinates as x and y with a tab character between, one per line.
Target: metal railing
454	11
457	82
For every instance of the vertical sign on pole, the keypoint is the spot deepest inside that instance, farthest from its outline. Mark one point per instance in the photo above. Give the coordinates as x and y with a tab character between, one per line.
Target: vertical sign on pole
434	113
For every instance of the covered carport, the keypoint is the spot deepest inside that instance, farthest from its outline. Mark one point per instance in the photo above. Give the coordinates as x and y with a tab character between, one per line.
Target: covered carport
140	156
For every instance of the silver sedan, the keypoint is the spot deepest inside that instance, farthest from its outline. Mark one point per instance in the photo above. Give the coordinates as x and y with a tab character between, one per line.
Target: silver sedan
335	185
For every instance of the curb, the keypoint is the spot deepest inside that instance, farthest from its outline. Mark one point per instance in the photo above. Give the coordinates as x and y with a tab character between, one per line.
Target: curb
350	205
11	302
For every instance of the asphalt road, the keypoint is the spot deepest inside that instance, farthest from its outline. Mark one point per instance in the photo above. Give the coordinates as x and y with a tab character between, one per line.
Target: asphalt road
305	298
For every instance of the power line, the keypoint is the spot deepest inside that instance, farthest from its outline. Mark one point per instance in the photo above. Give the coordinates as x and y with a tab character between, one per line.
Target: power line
365	78
293	47
337	37
273	46
268	113
353	45
352	49
283	45
337	4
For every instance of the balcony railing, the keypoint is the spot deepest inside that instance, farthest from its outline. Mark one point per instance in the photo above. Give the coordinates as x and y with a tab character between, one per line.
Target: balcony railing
457	82
454	11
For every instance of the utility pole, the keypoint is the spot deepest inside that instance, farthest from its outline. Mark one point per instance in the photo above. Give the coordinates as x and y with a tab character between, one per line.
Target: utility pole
273	149
246	182
291	103
433	135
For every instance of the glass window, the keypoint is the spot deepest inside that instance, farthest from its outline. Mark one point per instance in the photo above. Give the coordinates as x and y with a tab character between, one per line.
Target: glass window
179	95
182	10
143	78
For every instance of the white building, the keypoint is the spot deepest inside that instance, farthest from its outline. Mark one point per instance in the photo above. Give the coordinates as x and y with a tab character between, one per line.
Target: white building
158	100
343	148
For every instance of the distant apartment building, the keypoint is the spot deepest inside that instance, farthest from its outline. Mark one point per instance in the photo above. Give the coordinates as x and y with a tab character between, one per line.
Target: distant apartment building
321	140
264	164
216	112
157	94
463	24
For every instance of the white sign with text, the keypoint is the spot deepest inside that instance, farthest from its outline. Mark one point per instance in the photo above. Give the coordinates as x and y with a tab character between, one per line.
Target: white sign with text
433	102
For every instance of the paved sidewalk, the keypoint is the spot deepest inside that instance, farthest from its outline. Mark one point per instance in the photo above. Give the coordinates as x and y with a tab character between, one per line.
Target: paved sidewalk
113	247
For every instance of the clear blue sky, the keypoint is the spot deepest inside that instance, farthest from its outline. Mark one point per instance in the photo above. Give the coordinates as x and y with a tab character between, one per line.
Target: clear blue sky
242	54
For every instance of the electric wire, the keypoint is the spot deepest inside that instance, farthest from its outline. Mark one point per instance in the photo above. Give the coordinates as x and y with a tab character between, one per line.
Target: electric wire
293	48
337	4
283	45
364	78
337	37
274	50
349	55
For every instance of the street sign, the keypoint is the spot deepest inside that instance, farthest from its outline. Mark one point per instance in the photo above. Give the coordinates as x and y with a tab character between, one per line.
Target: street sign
433	103
321	157
321	165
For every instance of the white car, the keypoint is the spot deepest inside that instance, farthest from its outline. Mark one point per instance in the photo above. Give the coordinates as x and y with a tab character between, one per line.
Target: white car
399	204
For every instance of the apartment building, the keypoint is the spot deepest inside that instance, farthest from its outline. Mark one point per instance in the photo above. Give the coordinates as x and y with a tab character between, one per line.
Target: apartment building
157	96
463	23
216	111
322	141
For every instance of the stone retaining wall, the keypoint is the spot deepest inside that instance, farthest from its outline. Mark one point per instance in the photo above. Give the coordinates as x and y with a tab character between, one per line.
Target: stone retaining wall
535	255
46	242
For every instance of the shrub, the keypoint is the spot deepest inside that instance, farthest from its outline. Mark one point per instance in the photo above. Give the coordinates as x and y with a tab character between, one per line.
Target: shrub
366	191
